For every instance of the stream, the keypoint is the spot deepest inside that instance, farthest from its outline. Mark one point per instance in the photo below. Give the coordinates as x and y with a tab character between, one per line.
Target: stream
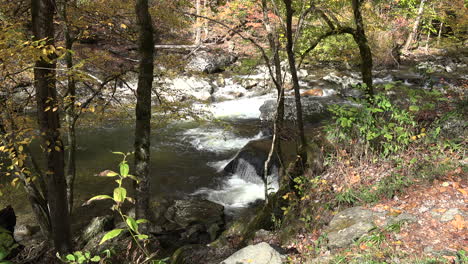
187	157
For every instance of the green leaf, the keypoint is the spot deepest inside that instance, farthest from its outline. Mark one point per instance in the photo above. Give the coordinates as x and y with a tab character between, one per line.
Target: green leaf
141	221
142	237
414	108
132	224
118	153
133	178
120	194
70	257
96	259
124	169
97	198
110	235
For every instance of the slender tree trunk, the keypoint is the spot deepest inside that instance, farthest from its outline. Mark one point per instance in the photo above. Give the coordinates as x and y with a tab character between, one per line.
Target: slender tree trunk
295	79
364	48
205	24
70	118
414	32
277	80
439	35
42	12
428	38
198	27
143	108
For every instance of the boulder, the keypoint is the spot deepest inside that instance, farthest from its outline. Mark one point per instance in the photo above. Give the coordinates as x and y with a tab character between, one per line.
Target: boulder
97	225
249	162
344	81
8	219
349	225
196	254
184	87
261	253
190	212
208	62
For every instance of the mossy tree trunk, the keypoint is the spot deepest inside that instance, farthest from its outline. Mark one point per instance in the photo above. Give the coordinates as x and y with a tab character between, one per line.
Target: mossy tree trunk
143	108
364	48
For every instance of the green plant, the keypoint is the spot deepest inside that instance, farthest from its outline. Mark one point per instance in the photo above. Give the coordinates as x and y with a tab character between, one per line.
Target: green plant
7	244
381	126
462	257
374	239
78	257
132	225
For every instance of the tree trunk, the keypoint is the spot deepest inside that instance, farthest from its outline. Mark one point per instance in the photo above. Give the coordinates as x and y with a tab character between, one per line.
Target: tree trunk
206	28
428	38
364	49
42	12
414	32
198	27
70	116
440	33
277	80
294	78
143	108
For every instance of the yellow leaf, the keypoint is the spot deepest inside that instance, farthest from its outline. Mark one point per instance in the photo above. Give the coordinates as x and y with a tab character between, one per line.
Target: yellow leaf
57	148
14	182
123	26
20	148
463	191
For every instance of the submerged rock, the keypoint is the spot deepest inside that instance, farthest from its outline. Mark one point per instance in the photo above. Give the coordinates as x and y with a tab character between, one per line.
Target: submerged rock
261	253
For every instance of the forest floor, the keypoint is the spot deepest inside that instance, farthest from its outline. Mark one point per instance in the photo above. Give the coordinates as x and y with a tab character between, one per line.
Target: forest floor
428	183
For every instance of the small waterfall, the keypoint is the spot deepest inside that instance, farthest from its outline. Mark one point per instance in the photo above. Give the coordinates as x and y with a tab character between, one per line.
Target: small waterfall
244	177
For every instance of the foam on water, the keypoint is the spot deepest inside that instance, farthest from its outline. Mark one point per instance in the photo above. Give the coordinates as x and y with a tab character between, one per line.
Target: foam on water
244	108
219	165
216	139
235	193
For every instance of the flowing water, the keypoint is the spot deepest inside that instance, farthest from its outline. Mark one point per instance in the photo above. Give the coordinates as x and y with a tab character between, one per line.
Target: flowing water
186	157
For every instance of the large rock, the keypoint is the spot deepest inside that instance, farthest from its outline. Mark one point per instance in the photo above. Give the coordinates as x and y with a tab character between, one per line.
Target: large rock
349	225
97	225
249	162
261	253
191	212
182	88
210	62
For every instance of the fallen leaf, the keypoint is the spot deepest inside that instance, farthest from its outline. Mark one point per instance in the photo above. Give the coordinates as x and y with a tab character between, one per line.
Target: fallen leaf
458	222
463	191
